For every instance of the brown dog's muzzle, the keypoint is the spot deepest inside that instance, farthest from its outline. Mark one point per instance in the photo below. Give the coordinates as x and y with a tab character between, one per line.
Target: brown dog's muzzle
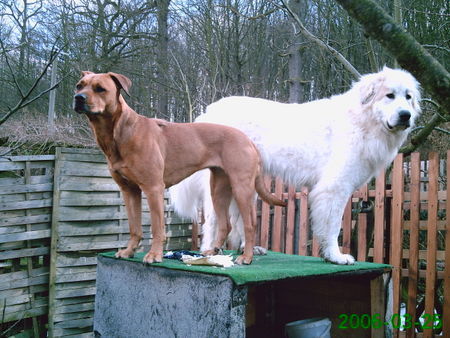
80	104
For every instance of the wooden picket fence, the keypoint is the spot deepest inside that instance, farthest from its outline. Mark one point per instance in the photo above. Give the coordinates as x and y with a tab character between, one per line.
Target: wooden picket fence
72	210
398	219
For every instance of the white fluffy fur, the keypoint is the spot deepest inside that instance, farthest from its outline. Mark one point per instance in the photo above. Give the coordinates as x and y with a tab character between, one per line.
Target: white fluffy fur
332	146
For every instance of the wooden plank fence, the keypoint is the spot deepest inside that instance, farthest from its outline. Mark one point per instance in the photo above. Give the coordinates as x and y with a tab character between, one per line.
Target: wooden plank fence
68	208
399	219
26	185
56	214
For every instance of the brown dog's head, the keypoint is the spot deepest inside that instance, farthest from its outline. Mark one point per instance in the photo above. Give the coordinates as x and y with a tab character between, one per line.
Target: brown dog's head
99	93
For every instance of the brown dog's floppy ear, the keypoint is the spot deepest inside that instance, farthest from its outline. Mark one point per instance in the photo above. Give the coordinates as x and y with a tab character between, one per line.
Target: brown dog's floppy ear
85	72
122	82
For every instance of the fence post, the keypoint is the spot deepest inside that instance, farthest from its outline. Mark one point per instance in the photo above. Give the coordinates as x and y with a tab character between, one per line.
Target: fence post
362	226
347	227
413	272
54	245
430	282
397	231
290	223
379	221
446	319
265	218
303	230
277	228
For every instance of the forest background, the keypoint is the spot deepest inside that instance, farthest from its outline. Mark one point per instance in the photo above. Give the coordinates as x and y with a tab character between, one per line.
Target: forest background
182	55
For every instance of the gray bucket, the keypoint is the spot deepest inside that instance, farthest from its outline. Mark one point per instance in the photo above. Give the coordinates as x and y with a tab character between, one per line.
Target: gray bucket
309	328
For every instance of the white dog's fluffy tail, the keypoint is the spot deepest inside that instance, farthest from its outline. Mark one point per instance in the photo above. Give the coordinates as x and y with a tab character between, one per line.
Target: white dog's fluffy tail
188	196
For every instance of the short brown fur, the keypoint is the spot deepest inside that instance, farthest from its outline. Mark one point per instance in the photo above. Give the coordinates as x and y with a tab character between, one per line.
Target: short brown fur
150	155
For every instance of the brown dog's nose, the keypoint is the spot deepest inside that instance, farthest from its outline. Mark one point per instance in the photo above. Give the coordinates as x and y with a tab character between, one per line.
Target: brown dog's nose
80	103
80	98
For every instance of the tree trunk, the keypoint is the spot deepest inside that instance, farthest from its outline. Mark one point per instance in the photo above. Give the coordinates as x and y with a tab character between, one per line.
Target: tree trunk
409	53
162	57
295	58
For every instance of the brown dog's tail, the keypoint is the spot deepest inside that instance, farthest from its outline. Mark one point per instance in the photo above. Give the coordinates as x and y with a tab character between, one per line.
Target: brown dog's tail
265	195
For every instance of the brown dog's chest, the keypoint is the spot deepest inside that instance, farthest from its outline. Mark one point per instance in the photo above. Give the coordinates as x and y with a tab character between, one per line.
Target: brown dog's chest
121	173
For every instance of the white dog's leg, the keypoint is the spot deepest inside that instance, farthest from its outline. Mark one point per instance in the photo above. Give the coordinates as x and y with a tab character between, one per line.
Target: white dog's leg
209	232
209	228
327	208
236	237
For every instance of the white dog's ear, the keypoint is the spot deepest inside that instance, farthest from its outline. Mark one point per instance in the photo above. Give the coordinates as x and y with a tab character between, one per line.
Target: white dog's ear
368	87
416	100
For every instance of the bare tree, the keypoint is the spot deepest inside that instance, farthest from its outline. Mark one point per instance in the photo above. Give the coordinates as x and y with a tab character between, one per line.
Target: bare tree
30	94
410	55
162	58
22	13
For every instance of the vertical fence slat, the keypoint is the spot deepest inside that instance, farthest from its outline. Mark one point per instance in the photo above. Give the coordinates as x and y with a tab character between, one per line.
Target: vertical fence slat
446	319
380	195
277	219
304	223
315	247
290	222
194	236
397	230
347	227
413	272
362	227
265	218
430	283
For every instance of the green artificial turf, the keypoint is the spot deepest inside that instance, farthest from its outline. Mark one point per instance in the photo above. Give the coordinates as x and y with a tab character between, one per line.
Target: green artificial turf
273	266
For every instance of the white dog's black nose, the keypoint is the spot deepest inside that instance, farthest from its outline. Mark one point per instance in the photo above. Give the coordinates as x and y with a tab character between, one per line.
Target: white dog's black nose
404	116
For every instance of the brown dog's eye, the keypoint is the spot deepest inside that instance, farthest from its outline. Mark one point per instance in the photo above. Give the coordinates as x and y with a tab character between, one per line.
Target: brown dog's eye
79	87
99	89
390	96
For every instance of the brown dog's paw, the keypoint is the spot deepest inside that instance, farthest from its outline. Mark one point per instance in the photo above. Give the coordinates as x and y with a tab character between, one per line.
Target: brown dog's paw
153	257
124	253
242	259
212	252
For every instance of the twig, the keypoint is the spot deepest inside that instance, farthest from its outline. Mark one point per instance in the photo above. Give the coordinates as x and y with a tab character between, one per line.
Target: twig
24	100
307	34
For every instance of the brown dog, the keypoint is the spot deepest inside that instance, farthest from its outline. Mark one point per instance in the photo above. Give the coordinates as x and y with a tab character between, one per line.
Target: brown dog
150	155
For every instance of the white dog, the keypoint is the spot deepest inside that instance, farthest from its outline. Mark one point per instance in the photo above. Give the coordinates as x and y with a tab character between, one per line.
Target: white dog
332	146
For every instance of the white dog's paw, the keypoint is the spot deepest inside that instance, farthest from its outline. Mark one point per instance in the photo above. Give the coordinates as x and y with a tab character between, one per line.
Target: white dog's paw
259	251
341	259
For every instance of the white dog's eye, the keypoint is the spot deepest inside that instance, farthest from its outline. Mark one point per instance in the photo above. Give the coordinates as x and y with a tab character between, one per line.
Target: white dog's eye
408	97
390	96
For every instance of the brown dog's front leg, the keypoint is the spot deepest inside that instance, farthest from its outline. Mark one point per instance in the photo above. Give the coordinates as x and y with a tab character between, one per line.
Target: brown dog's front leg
133	203
155	197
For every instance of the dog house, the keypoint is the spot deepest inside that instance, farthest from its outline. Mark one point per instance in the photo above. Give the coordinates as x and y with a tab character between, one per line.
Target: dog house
171	299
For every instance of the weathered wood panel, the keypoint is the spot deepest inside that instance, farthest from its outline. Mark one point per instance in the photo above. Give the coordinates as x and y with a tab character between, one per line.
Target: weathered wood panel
89	217
26	185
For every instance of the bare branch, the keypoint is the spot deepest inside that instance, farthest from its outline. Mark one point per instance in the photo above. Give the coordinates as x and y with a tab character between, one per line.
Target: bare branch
307	34
408	52
5	52
25	97
422	135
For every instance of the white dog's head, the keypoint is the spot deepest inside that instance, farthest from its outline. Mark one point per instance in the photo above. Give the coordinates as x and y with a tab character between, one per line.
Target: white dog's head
392	96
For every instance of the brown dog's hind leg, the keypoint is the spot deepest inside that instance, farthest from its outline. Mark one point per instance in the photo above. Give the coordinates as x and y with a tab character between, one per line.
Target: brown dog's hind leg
221	197
244	195
155	198
133	203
